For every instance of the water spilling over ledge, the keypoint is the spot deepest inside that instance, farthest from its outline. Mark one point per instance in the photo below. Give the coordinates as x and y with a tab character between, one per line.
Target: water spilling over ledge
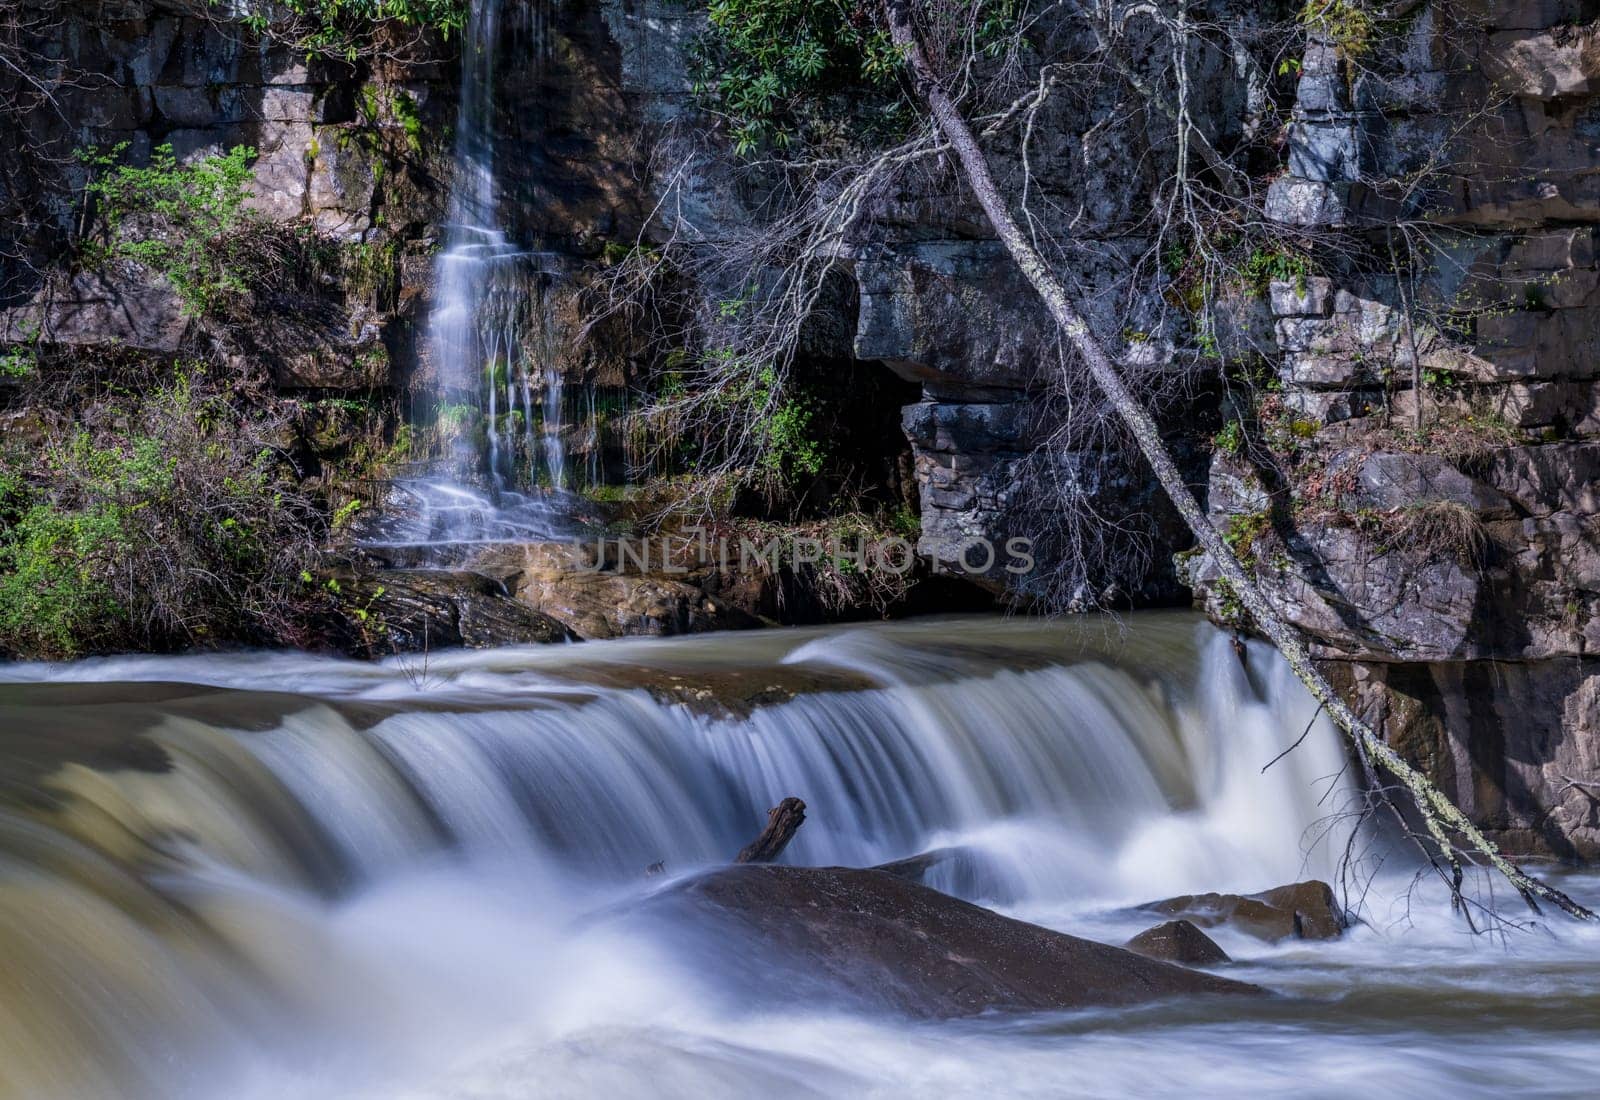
280	874
493	332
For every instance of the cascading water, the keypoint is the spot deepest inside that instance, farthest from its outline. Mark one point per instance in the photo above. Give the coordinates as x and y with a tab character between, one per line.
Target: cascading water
388	876
492	327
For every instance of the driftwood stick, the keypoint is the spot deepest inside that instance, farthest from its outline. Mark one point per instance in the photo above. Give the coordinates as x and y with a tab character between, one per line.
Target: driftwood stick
782	821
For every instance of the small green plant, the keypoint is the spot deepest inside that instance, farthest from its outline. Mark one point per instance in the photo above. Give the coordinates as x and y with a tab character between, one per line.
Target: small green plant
791	449
1244	531
348	405
344	514
1231	438
1229	607
21	359
409	115
1345	23
17	363
781	422
1267	266
185	221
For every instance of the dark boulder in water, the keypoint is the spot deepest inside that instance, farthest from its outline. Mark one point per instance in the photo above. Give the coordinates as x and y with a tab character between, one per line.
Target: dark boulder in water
422	609
1302	910
1180	942
866	939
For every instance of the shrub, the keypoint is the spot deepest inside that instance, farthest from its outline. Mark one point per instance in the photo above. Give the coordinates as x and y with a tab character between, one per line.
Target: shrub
761	61
346	28
186	221
792	451
53	600
175	523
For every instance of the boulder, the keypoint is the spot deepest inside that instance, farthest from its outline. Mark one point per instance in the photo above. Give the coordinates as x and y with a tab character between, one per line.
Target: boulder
124	307
1178	941
1303	910
561	580
422	609
867	939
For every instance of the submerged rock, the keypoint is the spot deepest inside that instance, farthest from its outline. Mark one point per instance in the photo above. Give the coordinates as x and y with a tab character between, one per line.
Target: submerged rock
722	692
1178	941
1302	910
864	938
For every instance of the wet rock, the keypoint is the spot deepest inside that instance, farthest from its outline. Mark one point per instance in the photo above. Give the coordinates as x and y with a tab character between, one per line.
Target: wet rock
561	581
403	610
1302	910
1178	941
727	692
917	868
955	869
867	939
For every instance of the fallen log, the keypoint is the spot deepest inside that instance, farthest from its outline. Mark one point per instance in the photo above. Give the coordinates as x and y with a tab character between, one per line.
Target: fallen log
782	821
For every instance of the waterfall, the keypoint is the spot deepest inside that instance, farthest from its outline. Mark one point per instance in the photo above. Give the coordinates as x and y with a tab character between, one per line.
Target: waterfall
492	328
173	881
259	875
517	751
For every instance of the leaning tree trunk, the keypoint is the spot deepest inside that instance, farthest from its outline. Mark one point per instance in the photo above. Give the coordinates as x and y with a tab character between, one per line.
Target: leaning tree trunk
1438	813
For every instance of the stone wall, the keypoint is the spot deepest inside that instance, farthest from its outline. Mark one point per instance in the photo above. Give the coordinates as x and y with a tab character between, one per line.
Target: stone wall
339	150
1474	647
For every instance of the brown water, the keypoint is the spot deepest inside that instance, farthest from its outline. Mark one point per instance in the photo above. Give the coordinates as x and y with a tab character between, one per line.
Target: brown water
276	875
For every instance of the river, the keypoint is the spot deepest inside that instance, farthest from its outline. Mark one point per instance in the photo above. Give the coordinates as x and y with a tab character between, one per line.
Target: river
269	875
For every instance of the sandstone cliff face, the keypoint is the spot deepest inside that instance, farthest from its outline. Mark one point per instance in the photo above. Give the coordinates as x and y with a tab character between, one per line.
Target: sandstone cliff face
1473	647
339	150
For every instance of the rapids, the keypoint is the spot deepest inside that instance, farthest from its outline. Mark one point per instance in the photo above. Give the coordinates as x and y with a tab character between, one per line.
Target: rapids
278	875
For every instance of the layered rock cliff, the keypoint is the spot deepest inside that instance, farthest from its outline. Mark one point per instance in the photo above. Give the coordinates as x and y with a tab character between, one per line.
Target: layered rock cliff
1419	497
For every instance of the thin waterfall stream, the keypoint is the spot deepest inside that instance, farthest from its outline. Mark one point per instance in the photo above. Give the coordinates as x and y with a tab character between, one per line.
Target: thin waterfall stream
493	334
